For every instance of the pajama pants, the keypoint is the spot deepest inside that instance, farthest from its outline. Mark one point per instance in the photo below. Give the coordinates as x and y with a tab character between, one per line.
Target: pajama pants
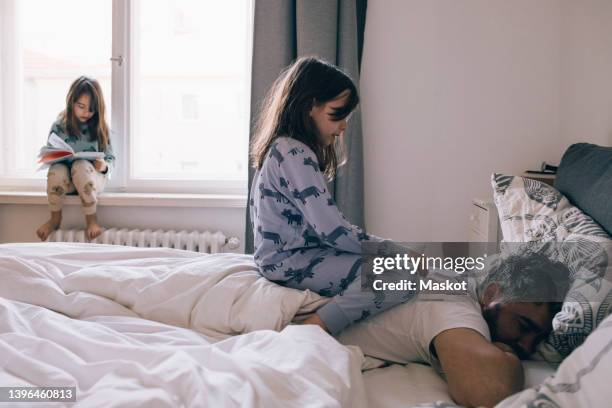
336	274
80	176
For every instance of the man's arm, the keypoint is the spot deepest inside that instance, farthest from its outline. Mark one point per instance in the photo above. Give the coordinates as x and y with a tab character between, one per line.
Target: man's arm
478	373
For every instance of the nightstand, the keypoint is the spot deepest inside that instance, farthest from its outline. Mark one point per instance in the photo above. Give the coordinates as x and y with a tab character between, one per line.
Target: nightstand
543	177
484	222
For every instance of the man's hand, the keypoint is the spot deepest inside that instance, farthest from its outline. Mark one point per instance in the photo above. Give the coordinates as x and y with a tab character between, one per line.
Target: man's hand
100	165
479	373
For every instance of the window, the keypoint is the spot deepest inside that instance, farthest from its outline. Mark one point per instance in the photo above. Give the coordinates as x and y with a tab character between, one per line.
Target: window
190	110
177	90
41	57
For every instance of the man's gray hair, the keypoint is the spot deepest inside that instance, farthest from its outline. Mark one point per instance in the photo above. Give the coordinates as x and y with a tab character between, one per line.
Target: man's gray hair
529	277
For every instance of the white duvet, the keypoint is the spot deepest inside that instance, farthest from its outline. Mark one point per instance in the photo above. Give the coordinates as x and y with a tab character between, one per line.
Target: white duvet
161	327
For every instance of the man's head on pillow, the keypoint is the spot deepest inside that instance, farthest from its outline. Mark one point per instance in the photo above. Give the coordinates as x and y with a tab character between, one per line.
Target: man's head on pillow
519	298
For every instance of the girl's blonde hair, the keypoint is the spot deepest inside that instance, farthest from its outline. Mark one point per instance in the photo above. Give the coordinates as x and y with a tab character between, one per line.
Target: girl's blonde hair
285	111
98	129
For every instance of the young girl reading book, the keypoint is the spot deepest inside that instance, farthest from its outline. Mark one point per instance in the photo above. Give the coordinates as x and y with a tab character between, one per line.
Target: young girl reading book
301	239
82	125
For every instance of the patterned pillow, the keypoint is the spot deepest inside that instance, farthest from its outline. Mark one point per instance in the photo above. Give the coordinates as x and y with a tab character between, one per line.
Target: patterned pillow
538	214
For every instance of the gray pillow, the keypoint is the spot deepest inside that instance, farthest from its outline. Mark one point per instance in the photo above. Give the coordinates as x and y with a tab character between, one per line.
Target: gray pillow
585	178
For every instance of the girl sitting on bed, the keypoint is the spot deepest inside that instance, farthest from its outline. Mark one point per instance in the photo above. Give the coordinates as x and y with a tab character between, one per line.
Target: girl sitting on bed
83	126
301	238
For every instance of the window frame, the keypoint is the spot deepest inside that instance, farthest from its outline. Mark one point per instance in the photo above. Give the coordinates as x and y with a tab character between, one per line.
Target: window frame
10	91
122	125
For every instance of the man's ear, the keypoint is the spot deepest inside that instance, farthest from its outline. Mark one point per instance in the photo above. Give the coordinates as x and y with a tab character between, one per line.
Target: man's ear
492	293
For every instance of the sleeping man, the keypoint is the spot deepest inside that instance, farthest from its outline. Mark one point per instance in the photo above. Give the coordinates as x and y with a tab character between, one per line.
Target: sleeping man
475	340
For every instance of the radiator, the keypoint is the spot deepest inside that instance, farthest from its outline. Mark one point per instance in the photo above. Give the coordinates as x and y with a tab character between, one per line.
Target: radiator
198	241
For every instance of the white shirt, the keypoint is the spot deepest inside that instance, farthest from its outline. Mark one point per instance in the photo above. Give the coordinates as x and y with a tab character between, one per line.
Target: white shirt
405	333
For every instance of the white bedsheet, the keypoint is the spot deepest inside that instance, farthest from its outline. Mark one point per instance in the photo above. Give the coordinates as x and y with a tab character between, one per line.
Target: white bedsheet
404	386
582	379
121	333
413	384
218	295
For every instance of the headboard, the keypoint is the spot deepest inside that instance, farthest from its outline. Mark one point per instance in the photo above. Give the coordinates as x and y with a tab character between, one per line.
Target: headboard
585	178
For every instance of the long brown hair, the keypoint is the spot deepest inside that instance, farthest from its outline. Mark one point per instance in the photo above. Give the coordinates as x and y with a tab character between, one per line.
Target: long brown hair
98	129
285	110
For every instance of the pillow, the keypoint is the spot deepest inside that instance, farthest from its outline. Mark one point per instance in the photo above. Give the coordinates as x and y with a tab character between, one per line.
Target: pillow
536	213
582	380
585	178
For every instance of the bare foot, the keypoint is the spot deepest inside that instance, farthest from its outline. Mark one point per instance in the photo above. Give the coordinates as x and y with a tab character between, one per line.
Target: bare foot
48	227
93	230
315	319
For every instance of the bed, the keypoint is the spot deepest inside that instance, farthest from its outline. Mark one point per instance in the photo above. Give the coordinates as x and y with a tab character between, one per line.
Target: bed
577	213
159	327
163	327
134	326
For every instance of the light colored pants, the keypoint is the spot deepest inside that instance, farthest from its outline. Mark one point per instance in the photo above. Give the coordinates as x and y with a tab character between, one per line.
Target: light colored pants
81	176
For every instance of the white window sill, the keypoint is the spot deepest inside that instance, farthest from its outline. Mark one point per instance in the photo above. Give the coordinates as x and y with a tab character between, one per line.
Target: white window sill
133	199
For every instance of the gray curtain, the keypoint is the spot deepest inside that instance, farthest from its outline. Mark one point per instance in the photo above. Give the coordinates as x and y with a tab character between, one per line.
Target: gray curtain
333	30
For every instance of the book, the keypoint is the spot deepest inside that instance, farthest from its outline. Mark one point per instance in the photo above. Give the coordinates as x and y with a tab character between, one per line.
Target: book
56	150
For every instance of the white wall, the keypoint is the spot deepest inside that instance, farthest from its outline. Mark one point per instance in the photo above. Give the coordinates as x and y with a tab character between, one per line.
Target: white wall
586	66
454	90
18	223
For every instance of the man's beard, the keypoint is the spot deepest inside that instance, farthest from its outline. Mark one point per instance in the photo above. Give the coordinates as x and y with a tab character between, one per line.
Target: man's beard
491	316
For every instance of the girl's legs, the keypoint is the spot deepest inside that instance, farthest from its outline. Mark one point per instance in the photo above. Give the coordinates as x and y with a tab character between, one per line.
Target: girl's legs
58	185
50	225
88	183
93	229
338	275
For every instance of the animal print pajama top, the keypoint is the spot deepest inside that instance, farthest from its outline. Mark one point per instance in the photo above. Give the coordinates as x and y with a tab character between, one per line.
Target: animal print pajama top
303	241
